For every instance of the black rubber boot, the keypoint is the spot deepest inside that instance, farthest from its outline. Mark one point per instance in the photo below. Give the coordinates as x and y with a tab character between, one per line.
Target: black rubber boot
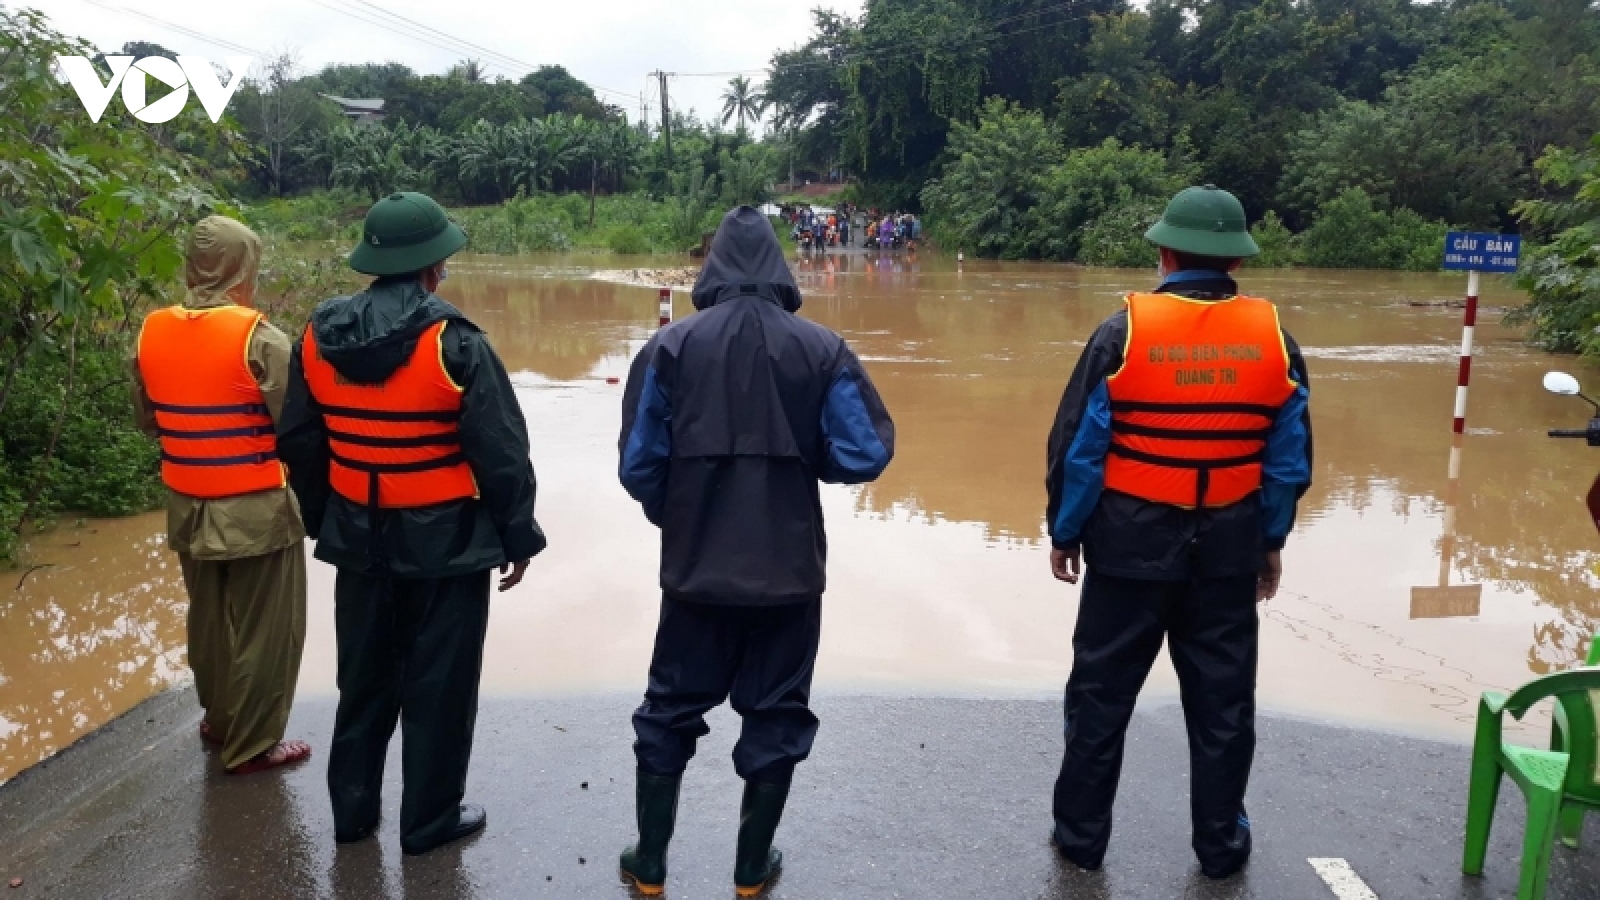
472	820
656	803
757	862
1236	853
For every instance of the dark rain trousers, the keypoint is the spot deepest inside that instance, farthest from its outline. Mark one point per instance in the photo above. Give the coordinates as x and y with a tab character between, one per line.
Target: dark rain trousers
762	657
410	650
1211	629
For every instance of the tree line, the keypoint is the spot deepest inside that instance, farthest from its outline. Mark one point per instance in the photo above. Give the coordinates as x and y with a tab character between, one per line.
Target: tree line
1401	115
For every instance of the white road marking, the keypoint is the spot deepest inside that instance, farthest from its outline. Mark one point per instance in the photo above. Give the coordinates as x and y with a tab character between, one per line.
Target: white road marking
1344	881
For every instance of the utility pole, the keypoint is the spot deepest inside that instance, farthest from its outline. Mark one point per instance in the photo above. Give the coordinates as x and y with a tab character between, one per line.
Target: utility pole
666	115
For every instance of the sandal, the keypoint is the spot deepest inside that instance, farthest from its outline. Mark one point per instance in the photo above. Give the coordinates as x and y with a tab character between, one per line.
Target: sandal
207	736
283	753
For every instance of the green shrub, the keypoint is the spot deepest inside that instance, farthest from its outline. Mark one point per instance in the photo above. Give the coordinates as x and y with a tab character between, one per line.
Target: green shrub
1093	182
322	215
1277	243
627	240
1562	273
1351	232
102	464
1116	237
981	200
513	228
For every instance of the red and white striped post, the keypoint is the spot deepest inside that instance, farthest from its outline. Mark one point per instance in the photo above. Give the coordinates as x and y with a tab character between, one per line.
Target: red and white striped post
1468	324
666	306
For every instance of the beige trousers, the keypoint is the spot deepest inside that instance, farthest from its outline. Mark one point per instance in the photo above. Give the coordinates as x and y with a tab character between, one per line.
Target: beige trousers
247	625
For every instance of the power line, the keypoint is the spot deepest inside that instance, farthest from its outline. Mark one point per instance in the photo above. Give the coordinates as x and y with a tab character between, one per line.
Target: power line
438	41
523	63
179	29
906	49
419	31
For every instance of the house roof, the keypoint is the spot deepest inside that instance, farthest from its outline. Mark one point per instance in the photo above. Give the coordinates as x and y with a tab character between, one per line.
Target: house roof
360	104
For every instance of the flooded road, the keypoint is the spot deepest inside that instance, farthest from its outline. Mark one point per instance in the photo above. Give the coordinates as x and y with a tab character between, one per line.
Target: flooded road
938	572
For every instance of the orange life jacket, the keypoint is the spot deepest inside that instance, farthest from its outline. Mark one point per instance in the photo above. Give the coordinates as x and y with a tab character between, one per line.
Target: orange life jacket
395	444
216	436
1194	402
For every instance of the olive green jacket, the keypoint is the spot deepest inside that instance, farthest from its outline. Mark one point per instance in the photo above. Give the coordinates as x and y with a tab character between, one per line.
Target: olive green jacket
248	525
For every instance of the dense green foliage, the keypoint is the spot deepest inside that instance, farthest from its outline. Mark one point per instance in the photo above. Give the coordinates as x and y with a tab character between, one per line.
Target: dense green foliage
473	141
1010	190
1431	112
1563	276
90	217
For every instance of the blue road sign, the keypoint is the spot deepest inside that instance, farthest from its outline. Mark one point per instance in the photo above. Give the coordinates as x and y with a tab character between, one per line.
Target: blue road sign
1481	252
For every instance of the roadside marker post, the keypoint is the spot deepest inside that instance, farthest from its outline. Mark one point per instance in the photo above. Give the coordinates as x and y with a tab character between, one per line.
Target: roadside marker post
666	307
1473	253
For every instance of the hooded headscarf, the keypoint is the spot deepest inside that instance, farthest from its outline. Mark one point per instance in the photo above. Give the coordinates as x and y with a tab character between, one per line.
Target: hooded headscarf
222	254
745	258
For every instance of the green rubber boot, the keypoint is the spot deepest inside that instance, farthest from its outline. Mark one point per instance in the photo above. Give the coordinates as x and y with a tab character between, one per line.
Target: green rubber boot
645	863
757	861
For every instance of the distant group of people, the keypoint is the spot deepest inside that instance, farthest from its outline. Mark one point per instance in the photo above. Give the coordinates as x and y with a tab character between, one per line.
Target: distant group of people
874	228
390	429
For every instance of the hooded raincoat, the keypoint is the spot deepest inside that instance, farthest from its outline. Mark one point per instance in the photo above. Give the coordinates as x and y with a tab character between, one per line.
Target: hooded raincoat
730	419
242	557
366	337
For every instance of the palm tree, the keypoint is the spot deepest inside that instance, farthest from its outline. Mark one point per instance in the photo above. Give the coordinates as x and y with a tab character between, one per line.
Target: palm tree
485	155
742	101
469	70
612	147
545	148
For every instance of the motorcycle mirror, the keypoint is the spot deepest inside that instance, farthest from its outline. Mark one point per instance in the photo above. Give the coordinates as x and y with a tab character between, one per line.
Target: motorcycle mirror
1563	384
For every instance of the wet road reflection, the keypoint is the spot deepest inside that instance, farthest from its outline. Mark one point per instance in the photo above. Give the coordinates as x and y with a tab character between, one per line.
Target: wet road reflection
938	579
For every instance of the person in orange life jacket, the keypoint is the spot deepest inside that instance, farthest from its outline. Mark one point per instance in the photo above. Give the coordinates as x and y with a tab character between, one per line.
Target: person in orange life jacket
409	453
209	378
1180	450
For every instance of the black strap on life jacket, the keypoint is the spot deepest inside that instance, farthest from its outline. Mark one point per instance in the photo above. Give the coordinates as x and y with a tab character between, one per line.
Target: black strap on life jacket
389	415
1251	409
240	409
248	459
375	557
1179	462
246	431
1202	467
375	509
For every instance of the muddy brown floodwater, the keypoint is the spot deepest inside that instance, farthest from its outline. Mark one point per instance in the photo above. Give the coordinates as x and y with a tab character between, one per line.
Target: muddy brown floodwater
938	573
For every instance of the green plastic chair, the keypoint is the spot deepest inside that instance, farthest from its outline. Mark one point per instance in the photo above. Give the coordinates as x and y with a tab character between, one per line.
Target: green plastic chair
1559	784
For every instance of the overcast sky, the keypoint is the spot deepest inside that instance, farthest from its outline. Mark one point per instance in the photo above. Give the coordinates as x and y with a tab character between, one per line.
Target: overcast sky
610	44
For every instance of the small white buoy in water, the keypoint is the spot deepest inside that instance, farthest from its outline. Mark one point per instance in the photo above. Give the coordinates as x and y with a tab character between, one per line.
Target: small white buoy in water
960	257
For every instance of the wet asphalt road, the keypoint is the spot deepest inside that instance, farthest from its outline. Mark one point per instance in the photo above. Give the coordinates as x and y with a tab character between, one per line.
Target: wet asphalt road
920	798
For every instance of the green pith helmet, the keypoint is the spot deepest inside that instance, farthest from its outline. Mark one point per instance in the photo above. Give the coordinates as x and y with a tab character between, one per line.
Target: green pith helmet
1207	221
405	232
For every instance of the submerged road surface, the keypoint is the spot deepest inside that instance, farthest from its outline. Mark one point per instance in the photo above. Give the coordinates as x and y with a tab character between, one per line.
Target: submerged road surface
923	798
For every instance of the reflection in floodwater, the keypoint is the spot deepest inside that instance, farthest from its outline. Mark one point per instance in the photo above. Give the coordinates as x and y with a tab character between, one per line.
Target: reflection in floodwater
1445	600
92	628
938	579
